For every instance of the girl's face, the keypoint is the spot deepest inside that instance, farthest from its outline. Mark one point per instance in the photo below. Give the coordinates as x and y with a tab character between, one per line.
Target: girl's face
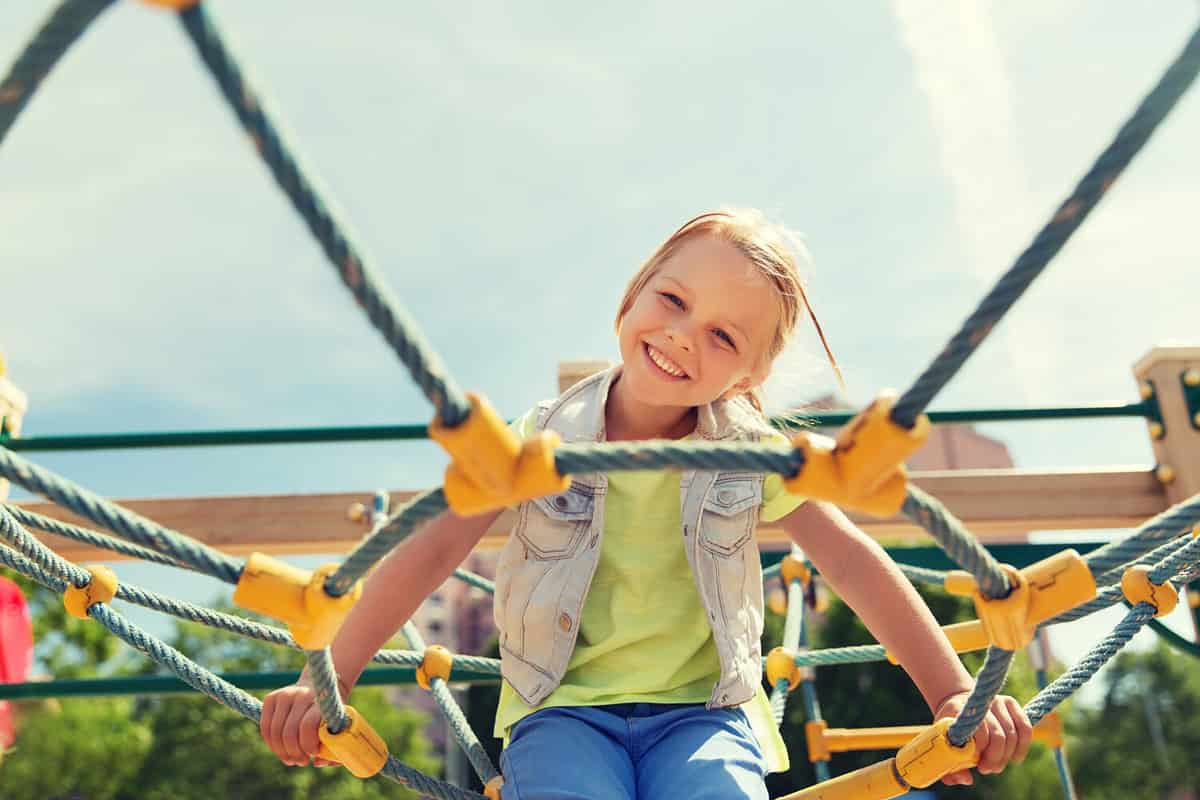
699	328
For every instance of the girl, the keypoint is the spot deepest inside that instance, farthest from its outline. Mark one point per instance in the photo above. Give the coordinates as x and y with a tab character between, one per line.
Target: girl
630	606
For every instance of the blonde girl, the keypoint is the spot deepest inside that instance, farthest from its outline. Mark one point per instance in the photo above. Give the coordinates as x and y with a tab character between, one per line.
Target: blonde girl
630	606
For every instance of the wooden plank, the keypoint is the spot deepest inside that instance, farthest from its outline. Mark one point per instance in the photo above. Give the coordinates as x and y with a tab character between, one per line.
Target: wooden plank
997	506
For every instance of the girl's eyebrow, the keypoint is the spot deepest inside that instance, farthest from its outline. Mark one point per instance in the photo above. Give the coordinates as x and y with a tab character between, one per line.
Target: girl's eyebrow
676	282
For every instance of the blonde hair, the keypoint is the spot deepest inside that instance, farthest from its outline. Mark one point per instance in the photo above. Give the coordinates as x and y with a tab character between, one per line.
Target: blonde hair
769	247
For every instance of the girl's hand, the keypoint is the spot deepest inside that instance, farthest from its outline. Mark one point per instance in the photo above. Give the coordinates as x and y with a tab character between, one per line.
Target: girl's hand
1003	736
289	723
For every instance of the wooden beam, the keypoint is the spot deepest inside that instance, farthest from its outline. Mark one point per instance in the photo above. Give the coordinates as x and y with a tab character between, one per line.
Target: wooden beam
997	506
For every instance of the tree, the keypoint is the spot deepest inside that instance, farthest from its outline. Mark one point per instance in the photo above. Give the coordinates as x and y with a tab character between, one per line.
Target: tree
178	747
1142	740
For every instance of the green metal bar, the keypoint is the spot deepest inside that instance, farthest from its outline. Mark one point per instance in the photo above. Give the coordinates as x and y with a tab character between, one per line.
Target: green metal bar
169	684
369	433
931	557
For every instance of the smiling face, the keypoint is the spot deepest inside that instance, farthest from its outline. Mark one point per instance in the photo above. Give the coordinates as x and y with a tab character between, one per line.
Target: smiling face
700	327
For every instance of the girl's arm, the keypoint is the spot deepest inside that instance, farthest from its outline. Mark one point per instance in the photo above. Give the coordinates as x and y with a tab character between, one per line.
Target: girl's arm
868	580
391	594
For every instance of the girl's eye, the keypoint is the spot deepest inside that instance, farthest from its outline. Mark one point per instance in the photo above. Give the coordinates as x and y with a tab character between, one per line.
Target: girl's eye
671	298
724	337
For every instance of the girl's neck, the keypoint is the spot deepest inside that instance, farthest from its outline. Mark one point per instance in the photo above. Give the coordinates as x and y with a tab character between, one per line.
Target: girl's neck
628	419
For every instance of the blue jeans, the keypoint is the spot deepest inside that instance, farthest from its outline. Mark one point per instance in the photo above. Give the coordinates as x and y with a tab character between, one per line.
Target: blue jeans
633	751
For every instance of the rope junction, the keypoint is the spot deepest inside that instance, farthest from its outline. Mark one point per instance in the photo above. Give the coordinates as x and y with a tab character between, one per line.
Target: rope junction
869	476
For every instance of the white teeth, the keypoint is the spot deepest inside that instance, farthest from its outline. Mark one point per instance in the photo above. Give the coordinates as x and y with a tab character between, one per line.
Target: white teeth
665	364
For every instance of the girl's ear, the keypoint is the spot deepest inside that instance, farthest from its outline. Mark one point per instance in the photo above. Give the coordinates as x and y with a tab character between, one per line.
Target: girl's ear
749	382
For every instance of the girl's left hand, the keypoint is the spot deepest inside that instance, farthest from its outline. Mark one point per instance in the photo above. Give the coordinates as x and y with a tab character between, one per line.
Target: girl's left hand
1003	736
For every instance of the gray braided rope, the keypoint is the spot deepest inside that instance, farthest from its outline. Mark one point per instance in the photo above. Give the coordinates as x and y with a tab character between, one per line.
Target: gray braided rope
987	686
323	676
1111	595
467	740
62	28
1178	561
1062	687
572	459
1069	216
80	534
117	519
856	654
1155	556
11	558
234	698
384	312
957	541
478	581
43	557
371	550
1162	527
792	625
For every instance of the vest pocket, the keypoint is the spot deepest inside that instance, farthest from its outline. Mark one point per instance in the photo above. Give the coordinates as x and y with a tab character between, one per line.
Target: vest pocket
730	514
553	526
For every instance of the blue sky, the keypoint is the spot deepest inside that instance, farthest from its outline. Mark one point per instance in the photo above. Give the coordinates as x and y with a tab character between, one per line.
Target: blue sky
507	168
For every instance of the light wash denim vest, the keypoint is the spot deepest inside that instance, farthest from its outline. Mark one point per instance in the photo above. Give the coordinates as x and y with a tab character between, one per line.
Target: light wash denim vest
547	564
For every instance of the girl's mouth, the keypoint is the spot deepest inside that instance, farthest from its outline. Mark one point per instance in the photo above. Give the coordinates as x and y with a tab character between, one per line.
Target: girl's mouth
663	365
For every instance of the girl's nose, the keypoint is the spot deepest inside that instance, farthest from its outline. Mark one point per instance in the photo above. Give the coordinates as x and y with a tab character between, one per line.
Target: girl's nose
679	338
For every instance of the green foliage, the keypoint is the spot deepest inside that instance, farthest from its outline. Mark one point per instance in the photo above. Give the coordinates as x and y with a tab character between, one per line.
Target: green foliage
80	748
1142	740
179	747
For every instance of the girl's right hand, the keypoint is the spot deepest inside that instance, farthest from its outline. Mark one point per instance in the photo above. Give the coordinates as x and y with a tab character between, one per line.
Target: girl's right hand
289	723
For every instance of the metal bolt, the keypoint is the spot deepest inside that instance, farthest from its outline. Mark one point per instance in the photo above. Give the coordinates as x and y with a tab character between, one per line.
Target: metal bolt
1165	473
1156	430
1192	377
1145	390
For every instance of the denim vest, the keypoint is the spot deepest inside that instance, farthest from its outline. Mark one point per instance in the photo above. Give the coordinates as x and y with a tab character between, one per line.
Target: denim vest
547	564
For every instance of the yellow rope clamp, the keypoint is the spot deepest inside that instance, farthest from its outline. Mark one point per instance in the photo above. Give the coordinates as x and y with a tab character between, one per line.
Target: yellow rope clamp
965	637
1048	731
490	467
1039	592
864	468
100	588
492	790
1137	588
793	569
781	665
295	596
358	748
437	663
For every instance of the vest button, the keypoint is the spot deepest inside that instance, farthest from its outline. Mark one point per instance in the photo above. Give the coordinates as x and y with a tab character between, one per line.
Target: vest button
564	622
560	502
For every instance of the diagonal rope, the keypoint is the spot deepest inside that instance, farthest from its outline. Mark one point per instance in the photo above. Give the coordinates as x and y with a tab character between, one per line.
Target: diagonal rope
1069	216
987	685
1163	526
60	30
384	312
122	521
957	541
50	525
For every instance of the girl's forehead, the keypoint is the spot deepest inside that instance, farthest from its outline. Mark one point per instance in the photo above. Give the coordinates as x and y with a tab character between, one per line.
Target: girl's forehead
704	262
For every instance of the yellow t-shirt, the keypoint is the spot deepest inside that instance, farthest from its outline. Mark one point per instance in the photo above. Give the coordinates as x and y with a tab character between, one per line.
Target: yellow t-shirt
644	636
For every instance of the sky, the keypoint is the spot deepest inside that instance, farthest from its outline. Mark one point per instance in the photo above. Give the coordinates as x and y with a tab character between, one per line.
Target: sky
507	168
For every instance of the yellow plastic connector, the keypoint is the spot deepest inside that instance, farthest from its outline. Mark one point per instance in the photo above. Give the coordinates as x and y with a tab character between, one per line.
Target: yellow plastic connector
101	588
490	467
1137	588
1048	731
864	468
793	569
965	637
358	747
295	596
928	757
781	665
437	663
814	735
1039	592
492	790
876	782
